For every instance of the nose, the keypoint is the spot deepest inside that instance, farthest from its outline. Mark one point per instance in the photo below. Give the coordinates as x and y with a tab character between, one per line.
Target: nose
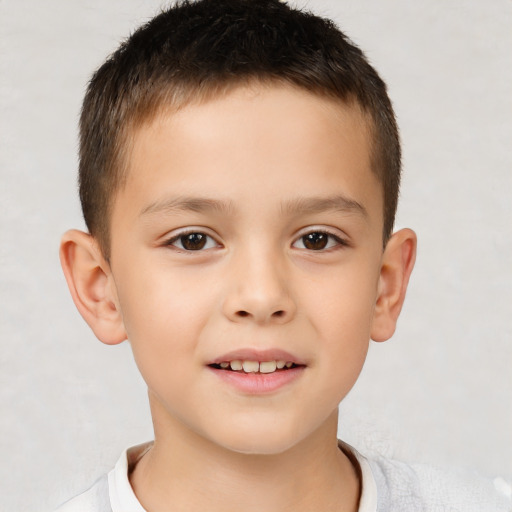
258	290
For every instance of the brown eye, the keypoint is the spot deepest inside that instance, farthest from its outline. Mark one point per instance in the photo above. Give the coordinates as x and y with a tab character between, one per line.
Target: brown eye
319	241
315	241
193	241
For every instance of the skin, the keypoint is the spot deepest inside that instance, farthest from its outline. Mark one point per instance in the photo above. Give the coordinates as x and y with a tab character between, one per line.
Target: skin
256	171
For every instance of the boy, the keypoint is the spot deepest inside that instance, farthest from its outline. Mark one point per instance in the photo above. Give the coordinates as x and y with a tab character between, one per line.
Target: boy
239	174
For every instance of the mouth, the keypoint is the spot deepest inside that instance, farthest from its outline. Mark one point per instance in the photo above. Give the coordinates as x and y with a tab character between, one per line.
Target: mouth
249	366
258	372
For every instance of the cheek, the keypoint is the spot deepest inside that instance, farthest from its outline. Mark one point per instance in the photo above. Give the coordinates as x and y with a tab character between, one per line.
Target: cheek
343	305
164	313
342	325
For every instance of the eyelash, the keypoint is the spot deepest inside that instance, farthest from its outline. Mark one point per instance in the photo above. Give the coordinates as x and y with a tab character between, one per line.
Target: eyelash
339	242
171	241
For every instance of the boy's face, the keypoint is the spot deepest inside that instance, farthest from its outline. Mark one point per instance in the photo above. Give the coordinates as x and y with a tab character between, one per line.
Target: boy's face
250	228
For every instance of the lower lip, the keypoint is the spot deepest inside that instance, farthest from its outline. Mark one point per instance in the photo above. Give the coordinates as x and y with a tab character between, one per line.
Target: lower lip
259	383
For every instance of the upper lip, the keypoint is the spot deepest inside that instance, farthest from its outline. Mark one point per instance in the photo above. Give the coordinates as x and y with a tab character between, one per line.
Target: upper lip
250	354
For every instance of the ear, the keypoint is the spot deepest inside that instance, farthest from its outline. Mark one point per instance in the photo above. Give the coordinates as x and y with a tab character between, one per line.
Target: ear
396	267
92	286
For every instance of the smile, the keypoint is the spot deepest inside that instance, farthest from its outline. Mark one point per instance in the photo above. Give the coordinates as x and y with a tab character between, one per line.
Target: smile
258	371
248	366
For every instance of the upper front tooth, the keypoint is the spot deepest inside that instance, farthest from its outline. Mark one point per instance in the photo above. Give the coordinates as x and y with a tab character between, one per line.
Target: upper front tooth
280	364
236	365
268	366
251	366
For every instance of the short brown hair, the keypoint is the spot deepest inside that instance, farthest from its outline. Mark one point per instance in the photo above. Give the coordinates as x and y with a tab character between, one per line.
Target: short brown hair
195	50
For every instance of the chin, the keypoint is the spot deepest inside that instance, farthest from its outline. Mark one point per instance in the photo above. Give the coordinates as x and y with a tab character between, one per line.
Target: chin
260	447
260	441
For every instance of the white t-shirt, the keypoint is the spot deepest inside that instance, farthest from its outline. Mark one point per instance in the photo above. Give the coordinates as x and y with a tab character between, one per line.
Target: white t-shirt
387	486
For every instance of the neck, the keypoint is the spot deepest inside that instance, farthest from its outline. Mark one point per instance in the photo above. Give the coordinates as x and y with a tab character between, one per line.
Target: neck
194	474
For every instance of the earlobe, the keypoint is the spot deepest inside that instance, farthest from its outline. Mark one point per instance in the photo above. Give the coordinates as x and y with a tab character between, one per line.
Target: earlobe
91	285
397	264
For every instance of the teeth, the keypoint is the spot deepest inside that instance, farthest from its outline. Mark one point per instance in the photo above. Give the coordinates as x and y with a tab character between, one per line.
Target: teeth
268	366
255	366
236	365
251	366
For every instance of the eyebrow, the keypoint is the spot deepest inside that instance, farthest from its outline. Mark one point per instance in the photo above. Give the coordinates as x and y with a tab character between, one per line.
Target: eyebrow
184	204
337	203
302	205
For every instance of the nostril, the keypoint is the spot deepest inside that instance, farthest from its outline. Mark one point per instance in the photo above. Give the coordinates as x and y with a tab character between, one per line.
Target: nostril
276	314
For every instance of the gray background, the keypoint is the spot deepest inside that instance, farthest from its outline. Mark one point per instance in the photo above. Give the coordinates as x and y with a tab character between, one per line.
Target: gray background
439	392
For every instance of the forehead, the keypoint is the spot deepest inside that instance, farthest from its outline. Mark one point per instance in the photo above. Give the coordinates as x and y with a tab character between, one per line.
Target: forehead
252	144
